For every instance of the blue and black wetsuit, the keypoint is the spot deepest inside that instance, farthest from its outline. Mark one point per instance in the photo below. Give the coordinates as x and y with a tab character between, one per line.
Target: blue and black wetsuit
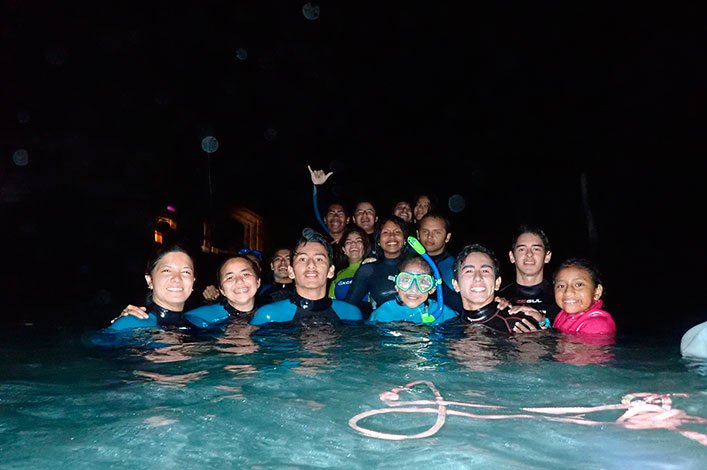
157	316
395	310
214	315
297	309
541	297
377	279
445	265
490	316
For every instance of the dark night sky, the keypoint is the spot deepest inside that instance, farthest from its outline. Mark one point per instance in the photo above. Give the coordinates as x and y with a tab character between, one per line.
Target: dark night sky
505	105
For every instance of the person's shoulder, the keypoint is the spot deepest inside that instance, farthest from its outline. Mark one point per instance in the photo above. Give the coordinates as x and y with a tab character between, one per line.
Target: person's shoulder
346	311
383	312
207	315
278	311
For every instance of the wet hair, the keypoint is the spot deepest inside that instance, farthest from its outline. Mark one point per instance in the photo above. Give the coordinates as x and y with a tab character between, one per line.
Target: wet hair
475	248
364	236
310	235
248	259
533	230
580	263
414	258
161	252
437	215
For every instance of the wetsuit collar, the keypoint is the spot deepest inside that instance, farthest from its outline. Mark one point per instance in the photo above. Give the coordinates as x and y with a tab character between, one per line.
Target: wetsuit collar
308	304
480	315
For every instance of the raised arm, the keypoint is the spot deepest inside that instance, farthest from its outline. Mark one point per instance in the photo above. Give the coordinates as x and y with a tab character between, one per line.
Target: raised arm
319	177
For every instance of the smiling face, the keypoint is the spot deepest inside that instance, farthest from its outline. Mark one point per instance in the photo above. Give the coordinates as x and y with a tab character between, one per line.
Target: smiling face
335	219
575	291
353	247
171	280
422	207
529	255
311	267
280	262
403	210
476	281
413	297
391	239
365	216
239	283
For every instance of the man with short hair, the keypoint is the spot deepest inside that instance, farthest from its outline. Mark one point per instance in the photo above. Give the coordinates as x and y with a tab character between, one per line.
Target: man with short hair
312	266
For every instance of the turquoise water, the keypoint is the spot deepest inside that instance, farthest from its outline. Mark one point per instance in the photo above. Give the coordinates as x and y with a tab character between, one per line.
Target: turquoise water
284	399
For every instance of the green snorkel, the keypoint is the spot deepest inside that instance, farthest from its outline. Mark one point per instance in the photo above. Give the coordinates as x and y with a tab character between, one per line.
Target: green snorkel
419	249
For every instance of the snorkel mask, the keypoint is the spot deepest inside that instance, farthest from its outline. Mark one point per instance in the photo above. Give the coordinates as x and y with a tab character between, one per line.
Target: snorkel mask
419	249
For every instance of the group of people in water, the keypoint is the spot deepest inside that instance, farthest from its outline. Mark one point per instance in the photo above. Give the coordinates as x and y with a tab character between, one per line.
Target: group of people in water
363	269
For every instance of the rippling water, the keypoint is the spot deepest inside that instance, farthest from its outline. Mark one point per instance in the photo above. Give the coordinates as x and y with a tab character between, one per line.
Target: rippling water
283	398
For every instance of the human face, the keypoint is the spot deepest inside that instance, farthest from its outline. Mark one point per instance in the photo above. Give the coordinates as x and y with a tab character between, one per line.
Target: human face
422	207
529	255
433	235
403	210
353	247
365	216
239	283
311	267
172	280
391	239
280	262
335	219
413	297
476	281
574	290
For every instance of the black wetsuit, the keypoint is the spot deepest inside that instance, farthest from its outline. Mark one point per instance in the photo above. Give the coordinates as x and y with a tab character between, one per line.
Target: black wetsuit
493	318
274	292
166	317
541	297
375	279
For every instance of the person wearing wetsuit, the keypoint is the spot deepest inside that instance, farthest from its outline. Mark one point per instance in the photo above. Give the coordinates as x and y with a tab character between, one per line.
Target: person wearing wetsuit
282	286
312	265
529	253
355	249
477	278
414	284
239	281
373	284
170	279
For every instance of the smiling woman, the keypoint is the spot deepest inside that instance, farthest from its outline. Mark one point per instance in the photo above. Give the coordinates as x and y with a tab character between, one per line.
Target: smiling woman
170	278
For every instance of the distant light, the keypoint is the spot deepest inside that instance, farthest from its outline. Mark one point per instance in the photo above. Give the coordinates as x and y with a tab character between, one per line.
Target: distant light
310	11
242	54
209	144
456	203
21	157
171	208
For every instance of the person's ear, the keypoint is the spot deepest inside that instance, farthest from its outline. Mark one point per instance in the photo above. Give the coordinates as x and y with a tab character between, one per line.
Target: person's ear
598	292
548	256
447	238
498	283
513	258
290	272
332	272
455	284
148	280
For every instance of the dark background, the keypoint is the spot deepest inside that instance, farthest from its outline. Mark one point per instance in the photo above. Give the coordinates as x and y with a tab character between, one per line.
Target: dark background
505	105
